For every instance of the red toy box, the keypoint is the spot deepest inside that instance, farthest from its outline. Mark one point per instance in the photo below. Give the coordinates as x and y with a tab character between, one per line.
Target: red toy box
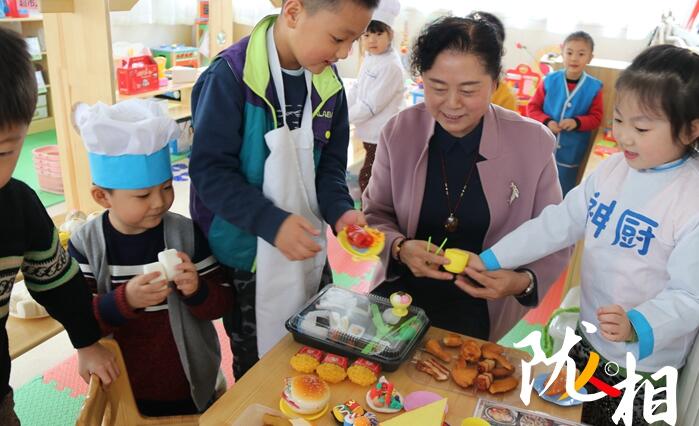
137	74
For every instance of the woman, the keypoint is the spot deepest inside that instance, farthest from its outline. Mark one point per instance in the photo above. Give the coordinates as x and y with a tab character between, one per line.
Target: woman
457	167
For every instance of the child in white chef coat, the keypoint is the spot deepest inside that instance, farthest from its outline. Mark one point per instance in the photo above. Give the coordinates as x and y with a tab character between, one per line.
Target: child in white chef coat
638	213
378	94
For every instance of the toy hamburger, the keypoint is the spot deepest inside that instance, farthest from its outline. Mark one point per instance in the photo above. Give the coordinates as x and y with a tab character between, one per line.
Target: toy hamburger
306	395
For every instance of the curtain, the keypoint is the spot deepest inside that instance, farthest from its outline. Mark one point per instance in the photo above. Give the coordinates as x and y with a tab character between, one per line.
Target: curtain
164	12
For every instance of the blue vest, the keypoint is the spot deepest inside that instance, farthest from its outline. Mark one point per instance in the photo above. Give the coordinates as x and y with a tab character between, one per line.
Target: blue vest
560	104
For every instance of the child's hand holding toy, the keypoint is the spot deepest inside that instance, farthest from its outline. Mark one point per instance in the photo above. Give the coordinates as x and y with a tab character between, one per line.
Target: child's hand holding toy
147	290
614	324
187	279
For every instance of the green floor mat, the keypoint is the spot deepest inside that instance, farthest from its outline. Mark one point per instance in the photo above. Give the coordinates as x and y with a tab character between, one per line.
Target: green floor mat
39	404
25	166
519	332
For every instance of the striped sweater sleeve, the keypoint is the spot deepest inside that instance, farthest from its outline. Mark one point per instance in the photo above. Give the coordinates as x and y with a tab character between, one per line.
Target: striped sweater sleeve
54	279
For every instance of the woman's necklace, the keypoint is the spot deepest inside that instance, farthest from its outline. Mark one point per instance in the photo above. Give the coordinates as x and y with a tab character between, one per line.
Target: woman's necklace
452	222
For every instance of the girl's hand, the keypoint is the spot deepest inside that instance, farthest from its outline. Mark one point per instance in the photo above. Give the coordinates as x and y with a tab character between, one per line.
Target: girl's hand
414	254
187	278
614	324
494	284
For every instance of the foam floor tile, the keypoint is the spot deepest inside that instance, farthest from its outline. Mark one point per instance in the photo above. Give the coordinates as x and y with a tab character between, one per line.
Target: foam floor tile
41	404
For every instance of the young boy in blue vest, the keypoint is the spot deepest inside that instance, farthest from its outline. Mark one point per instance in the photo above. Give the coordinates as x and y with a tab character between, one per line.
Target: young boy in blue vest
266	173
569	103
29	240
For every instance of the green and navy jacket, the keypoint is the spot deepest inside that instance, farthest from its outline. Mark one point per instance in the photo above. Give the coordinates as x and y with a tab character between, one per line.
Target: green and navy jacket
234	104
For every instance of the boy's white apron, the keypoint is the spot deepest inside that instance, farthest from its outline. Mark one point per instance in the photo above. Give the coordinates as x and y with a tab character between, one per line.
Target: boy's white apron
289	181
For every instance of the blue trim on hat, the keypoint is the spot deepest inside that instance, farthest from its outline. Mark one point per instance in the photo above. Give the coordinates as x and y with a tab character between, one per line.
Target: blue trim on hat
130	171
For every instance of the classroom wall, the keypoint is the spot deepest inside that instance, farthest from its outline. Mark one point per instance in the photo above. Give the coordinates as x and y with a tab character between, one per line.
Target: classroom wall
153	34
534	38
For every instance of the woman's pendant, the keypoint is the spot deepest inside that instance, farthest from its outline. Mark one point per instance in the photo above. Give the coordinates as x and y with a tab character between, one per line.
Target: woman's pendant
452	223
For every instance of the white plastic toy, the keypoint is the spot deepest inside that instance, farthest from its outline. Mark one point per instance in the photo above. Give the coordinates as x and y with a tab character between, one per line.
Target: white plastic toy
169	259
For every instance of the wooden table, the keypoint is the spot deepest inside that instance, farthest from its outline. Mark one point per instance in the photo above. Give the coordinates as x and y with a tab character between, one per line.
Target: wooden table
263	385
25	334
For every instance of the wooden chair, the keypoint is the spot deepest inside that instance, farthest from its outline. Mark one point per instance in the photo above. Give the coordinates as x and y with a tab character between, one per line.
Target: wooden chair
116	404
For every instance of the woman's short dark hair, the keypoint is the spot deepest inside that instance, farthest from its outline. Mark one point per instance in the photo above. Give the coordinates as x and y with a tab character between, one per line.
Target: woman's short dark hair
465	35
665	80
378	27
497	23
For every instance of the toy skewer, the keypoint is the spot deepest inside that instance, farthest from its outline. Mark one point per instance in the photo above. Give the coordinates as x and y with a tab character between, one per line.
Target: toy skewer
429	243
441	246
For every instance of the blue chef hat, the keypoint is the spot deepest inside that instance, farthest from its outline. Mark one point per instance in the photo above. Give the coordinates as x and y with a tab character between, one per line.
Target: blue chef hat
127	143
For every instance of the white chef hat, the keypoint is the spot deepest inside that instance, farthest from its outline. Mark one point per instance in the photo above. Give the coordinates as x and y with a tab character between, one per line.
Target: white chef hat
127	143
387	12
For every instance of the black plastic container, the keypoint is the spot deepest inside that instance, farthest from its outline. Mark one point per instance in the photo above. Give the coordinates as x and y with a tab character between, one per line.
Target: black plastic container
343	322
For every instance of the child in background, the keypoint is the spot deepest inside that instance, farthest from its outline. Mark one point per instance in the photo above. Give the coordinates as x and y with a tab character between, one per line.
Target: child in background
262	205
639	215
170	346
378	94
502	96
28	237
569	102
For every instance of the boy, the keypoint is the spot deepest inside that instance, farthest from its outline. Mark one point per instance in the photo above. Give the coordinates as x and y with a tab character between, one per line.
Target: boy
261	203
29	239
569	102
165	332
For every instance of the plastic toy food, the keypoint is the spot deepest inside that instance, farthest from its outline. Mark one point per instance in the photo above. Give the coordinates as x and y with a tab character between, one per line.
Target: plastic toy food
351	406
363	243
384	398
458	258
359	237
333	368
432	367
559	385
452	340
363	372
306	360
503	385
306	395
432	346
464	375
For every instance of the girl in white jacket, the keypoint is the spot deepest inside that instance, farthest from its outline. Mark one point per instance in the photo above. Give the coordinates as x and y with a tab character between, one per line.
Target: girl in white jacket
378	94
638	213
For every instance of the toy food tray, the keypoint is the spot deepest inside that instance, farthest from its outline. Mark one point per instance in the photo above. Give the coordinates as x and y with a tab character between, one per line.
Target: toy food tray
351	324
513	356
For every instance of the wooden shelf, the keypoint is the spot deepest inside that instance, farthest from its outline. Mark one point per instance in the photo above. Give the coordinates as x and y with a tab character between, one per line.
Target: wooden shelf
178	111
41	125
37	18
164	89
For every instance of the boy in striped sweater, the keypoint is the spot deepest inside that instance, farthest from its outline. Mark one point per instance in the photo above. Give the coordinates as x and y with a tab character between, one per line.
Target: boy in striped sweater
28	238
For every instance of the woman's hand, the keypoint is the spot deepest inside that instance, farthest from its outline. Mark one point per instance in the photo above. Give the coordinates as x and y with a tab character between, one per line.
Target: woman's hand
494	284
422	263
